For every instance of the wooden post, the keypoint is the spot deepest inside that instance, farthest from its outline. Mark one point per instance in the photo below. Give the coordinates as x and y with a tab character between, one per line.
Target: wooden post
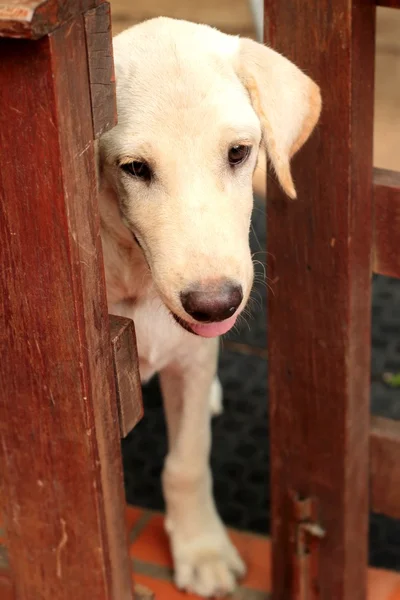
60	461
319	310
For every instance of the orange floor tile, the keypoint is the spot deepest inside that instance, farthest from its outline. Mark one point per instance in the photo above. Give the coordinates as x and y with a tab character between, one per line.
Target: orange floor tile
132	516
383	585
151	545
256	552
163	590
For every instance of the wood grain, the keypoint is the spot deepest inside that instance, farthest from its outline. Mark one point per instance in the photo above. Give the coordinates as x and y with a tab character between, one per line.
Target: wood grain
7	593
126	373
101	68
385	467
386	256
35	18
319	250
389	3
60	450
6	587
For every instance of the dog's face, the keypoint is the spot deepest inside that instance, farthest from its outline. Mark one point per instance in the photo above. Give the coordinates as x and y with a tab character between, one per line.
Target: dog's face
182	156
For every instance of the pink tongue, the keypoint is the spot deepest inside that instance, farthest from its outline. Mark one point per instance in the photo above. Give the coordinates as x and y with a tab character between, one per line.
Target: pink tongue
213	329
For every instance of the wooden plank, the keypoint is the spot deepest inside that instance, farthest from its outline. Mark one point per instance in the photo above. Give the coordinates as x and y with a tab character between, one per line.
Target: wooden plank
386	256
385	467
389	3
101	68
35	18
6	587
7	592
60	458
319	309
126	373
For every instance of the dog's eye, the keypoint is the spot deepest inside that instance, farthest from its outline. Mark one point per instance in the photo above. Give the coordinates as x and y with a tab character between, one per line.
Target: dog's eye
138	169
238	154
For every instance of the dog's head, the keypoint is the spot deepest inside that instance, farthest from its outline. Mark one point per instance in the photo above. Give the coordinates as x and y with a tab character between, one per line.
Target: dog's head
194	105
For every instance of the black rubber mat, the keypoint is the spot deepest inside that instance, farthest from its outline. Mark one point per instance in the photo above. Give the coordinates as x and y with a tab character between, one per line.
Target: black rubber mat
240	455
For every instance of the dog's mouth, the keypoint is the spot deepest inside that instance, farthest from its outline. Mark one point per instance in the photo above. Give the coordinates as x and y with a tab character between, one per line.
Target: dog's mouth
207	330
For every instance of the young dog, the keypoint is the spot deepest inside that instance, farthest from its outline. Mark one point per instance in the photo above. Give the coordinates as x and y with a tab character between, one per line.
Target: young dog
194	105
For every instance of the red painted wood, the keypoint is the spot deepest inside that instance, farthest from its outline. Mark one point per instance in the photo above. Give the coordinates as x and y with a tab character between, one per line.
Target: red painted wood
389	3
126	373
36	18
6	587
60	461
386	222
101	68
385	467
319	309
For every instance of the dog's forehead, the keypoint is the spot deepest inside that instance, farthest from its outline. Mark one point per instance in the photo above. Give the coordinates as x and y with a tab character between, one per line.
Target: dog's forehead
165	61
177	84
169	70
162	36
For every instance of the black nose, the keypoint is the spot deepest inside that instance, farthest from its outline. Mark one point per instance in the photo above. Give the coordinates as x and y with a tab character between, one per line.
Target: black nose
214	302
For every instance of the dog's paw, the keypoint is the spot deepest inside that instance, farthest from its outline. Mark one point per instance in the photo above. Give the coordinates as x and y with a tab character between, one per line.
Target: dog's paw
207	565
216	397
209	569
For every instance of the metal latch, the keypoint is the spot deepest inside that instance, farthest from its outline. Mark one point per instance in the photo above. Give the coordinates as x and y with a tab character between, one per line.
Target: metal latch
308	533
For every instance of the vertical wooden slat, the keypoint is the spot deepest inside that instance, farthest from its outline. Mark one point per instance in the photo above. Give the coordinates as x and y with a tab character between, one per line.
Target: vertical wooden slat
60	457
385	467
6	590
101	68
386	255
319	310
126	373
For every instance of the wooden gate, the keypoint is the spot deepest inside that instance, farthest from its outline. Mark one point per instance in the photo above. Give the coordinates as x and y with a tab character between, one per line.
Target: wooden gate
63	498
330	464
62	494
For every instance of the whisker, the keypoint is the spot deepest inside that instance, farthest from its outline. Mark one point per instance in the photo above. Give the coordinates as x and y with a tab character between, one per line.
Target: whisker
255	301
258	262
256	236
260	210
265	284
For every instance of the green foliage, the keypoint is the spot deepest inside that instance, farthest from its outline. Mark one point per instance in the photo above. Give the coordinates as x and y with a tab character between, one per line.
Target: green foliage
392	379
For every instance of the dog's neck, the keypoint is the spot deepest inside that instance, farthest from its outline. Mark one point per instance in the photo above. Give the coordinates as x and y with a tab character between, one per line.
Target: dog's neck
128	277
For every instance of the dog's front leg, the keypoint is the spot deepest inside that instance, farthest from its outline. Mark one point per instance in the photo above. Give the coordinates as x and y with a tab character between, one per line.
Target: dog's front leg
205	561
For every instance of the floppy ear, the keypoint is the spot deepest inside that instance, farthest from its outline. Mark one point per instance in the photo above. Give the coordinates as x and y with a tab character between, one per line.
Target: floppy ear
287	102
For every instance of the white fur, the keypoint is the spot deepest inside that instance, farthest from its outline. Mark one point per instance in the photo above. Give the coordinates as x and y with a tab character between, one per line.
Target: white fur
185	94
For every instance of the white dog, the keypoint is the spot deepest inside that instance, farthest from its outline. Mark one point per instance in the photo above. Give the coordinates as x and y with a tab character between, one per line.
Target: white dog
194	105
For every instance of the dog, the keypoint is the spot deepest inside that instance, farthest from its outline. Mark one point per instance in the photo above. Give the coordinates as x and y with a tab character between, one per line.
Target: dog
194	107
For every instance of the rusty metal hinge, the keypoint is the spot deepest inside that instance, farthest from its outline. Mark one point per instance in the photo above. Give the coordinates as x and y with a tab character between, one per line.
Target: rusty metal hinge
308	533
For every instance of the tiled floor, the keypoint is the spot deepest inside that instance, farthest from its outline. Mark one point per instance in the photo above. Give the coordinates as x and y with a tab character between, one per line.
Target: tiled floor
152	565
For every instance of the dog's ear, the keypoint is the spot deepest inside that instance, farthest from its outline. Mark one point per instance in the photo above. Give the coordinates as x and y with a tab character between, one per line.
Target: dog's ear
287	102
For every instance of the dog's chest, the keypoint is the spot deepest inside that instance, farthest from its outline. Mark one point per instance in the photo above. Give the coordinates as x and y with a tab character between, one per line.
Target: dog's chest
160	340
